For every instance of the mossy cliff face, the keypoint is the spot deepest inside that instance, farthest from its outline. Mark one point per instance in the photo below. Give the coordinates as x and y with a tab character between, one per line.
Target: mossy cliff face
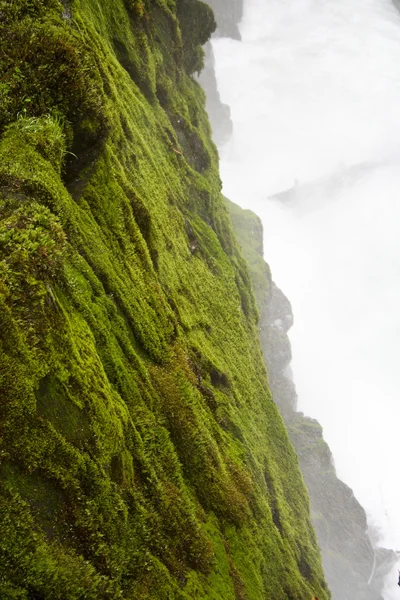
141	455
355	569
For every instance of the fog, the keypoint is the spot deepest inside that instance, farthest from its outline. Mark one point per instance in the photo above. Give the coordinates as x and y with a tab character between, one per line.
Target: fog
314	91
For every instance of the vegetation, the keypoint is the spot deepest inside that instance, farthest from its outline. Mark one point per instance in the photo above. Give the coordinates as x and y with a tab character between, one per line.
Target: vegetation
141	455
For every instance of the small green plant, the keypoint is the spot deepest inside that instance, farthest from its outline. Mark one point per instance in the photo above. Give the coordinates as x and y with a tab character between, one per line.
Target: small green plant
45	134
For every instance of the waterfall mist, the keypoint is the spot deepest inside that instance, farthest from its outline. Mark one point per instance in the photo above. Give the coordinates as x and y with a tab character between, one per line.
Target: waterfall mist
314	91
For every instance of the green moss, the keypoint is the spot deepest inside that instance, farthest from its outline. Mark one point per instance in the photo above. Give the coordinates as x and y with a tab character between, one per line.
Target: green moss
248	229
46	66
197	24
137	426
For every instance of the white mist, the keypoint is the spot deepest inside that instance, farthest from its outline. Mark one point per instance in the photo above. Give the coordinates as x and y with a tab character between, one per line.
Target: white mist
314	91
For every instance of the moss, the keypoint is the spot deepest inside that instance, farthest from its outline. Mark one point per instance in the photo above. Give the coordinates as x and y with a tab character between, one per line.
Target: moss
45	134
136	420
197	24
248	229
46	66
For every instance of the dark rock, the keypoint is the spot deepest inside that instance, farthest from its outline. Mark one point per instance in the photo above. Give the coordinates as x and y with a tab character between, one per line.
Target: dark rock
228	14
218	112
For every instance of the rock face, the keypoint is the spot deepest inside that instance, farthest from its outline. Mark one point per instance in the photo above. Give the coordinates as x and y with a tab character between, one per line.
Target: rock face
354	568
218	112
228	13
141	454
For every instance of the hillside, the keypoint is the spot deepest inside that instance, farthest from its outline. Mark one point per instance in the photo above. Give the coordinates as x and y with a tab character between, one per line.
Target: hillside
141	454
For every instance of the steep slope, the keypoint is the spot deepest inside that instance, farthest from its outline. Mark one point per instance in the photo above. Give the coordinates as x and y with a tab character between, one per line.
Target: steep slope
354	568
141	455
